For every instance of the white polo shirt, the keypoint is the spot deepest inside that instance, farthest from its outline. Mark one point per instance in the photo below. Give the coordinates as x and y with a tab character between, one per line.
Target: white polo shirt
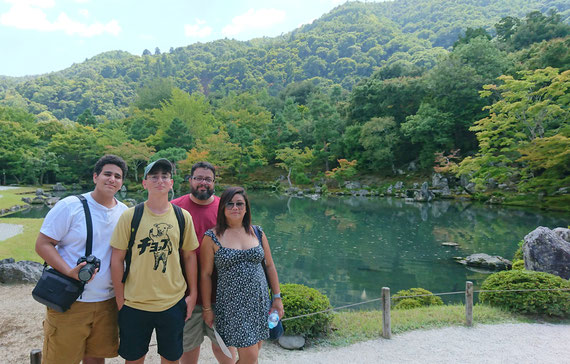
65	223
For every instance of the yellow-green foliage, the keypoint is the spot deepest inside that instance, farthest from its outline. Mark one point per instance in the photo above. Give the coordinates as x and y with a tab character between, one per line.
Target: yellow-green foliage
551	303
300	300
518	265
425	298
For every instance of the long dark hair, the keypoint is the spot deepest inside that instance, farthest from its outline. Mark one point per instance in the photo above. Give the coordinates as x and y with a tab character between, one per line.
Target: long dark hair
227	195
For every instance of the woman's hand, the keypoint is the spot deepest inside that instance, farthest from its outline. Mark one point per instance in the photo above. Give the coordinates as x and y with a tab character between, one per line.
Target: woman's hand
208	316
277	305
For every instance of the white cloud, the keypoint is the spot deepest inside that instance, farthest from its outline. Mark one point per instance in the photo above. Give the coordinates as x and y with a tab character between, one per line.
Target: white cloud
28	14
198	30
254	19
84	12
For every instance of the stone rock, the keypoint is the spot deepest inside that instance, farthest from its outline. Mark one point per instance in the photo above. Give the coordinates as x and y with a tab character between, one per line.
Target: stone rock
449	243
424	194
389	190
491	184
52	201
399	185
59	187
352	185
412	166
360	193
292	190
24	271
546	251
292	342
416	186
563	233
40	192
39	200
470	188
27	199
483	260
439	182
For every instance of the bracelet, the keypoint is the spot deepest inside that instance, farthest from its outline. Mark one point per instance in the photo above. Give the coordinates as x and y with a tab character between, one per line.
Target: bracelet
277	295
206	308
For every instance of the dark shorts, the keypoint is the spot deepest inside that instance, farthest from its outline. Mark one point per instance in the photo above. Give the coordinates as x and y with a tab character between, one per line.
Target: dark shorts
136	326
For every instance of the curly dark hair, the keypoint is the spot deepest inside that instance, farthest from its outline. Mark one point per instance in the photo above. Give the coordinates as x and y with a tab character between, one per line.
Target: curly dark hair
110	159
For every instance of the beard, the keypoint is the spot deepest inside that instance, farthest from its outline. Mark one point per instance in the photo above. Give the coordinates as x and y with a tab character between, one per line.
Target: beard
202	195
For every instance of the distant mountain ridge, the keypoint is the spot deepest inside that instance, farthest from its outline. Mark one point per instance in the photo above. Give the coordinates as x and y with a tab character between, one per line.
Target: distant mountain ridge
342	47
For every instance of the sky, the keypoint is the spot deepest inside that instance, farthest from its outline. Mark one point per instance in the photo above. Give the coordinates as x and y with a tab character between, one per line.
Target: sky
41	36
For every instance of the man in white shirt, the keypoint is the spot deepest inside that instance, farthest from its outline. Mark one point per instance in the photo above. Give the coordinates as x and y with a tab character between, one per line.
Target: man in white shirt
88	331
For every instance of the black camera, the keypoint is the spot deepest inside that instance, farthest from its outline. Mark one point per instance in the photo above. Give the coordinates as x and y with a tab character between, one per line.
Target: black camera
87	271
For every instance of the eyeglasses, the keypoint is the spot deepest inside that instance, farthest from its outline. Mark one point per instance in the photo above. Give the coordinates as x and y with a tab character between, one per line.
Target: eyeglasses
202	179
239	205
155	178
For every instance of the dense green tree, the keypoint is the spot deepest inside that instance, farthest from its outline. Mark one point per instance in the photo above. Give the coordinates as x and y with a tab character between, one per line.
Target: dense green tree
177	135
379	138
153	94
86	118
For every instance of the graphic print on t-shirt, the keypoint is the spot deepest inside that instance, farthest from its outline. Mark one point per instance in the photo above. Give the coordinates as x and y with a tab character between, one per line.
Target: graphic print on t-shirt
157	243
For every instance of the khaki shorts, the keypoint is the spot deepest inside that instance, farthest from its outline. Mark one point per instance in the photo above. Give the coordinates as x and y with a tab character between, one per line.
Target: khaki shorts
86	329
195	329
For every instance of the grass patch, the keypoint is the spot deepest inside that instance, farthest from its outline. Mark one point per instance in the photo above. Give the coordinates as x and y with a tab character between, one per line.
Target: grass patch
21	246
13	197
354	326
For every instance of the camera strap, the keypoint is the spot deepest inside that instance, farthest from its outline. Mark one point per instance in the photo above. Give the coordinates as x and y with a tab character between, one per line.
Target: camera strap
89	224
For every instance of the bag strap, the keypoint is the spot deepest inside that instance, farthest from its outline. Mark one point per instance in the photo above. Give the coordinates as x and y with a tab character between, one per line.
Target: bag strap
258	233
89	224
135	222
181	223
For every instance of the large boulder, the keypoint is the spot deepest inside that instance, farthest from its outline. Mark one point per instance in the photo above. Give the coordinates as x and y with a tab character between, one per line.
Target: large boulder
546	251
424	194
24	271
486	261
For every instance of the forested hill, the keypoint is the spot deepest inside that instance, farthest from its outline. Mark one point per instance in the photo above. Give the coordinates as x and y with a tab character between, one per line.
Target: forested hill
348	44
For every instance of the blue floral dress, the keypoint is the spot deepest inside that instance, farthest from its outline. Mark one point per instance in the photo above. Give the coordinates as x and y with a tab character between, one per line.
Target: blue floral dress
242	297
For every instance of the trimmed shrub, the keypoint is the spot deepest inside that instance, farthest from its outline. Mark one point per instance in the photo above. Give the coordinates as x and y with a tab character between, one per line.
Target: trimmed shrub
414	302
518	265
301	300
551	303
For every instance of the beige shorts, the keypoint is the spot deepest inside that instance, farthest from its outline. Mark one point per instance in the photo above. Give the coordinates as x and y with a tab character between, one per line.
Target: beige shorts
86	329
195	329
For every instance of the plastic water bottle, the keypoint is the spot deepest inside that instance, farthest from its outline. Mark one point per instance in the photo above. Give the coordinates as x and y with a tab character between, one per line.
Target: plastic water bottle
273	319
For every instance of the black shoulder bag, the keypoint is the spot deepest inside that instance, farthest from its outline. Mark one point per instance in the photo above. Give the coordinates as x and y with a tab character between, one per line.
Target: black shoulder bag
277	331
56	290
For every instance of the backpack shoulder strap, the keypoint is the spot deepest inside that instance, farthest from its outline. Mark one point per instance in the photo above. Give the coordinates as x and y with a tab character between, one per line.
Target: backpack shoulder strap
181	223
89	224
135	222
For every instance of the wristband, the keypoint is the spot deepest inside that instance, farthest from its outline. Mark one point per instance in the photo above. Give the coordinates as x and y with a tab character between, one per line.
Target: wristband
277	295
206	308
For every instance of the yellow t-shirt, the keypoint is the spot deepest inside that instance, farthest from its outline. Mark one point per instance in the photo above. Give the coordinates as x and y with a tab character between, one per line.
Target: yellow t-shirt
155	281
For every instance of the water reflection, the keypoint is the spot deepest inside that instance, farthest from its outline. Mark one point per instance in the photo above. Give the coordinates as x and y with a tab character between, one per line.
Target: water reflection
347	246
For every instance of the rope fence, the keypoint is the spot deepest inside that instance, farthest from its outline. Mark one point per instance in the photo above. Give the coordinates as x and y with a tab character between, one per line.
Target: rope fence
36	354
386	299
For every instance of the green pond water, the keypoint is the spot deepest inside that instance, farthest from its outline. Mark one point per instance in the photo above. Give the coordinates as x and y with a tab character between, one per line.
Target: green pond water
349	248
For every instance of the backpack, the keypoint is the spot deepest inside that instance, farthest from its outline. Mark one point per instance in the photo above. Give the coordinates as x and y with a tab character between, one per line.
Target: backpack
135	222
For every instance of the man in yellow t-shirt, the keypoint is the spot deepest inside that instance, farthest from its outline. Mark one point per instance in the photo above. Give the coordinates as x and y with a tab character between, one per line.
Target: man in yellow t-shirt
152	297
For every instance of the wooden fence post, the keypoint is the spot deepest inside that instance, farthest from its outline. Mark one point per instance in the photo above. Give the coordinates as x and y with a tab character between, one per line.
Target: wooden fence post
469	303
386	324
35	356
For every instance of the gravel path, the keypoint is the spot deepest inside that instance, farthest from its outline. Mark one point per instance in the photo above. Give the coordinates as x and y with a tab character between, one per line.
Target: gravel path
21	321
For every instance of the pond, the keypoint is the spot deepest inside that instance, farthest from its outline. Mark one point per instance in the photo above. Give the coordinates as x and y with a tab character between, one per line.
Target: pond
349	247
